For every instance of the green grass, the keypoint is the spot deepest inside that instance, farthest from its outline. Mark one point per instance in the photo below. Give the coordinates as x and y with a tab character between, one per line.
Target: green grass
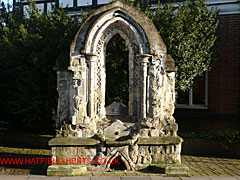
25	140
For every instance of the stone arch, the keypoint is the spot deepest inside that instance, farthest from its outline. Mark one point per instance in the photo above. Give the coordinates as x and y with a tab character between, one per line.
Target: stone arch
150	126
99	48
92	38
125	159
135	31
82	99
112	12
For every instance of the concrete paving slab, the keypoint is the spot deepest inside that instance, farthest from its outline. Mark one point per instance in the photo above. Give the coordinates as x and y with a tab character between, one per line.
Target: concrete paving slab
134	178
31	177
195	178
164	178
75	178
43	178
105	178
3	177
224	177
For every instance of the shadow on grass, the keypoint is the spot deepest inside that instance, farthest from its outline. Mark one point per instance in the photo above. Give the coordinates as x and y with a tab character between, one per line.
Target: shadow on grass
24	163
25	140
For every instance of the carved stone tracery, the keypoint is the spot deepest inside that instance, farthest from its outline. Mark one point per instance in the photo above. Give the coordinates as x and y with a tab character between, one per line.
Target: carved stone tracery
100	68
147	133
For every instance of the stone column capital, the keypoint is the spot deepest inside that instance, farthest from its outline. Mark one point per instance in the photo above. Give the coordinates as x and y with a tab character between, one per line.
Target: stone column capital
91	58
144	58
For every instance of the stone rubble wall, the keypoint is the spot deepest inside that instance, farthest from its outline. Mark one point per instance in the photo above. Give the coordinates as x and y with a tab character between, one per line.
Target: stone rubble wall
134	155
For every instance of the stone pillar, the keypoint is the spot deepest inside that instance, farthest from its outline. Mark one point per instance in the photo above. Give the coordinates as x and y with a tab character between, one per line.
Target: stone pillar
152	88
144	60
156	91
91	61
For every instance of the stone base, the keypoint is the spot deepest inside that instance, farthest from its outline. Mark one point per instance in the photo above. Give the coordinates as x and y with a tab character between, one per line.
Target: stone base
65	170
177	170
76	170
167	169
162	152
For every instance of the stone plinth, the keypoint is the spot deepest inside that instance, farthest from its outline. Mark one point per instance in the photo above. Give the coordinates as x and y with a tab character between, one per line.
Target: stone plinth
75	156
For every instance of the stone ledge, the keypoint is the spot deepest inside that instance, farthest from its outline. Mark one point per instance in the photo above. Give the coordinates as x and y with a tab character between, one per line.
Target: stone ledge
65	170
117	143
73	142
160	140
93	142
177	170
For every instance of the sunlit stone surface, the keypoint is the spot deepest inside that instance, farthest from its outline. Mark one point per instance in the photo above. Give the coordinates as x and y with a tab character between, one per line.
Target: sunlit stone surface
141	132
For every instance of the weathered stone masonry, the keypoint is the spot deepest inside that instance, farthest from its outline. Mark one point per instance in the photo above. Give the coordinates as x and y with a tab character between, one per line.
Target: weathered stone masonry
147	133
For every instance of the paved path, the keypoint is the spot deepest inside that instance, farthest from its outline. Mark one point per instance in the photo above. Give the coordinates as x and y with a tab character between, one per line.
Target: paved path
118	178
211	166
201	168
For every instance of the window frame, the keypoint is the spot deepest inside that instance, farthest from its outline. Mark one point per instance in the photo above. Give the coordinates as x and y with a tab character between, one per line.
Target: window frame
190	104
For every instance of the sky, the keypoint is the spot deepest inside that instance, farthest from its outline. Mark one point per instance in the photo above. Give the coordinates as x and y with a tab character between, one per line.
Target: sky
79	1
6	1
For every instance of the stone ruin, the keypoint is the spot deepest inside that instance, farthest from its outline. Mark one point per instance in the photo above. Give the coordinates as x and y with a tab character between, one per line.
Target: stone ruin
142	133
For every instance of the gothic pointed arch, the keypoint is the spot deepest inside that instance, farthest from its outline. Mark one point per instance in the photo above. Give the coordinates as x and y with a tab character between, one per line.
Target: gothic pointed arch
122	156
141	36
146	133
118	11
151	71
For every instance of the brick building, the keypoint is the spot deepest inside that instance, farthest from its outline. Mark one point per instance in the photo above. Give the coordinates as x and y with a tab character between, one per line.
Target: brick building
221	108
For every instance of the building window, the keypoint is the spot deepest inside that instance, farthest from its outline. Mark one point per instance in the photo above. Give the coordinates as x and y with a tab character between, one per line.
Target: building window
103	1
49	7
84	2
196	97
66	3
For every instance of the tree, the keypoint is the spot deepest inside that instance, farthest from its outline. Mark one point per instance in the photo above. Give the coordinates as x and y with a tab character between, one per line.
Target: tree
117	71
29	47
190	33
